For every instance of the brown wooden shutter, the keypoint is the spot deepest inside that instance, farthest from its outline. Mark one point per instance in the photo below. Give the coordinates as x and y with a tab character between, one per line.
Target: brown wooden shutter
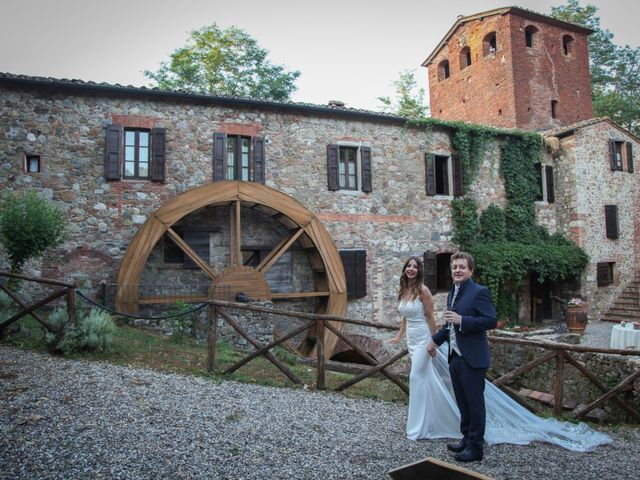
429	260
430	172
365	158
219	157
456	165
612	154
603	277
333	152
355	271
112	163
158	154
630	157
551	197
258	159
611	220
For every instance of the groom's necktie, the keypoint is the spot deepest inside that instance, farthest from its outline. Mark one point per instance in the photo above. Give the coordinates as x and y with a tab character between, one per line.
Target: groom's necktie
453	341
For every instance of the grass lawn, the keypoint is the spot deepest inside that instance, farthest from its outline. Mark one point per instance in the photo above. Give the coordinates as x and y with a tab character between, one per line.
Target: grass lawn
140	348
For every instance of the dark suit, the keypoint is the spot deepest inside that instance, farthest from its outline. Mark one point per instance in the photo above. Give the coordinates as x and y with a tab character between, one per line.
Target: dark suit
473	303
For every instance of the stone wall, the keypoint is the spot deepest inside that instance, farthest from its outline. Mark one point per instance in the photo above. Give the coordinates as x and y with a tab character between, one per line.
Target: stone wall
609	369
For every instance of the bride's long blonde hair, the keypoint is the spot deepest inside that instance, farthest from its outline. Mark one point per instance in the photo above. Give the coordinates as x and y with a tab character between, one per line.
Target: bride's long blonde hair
411	286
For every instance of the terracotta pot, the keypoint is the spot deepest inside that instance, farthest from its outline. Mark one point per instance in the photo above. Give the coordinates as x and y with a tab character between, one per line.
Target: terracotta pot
575	316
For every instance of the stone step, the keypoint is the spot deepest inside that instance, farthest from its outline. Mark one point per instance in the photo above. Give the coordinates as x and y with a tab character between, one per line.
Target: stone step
615	317
624	310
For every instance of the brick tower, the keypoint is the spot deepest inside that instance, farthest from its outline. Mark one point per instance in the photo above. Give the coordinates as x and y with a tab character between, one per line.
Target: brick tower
511	68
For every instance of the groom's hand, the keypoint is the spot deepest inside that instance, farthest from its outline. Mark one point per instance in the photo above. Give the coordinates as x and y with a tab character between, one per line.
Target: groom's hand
431	348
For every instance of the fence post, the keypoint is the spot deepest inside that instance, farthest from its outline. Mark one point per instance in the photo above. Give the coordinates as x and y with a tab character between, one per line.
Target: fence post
103	293
558	391
71	304
211	339
320	351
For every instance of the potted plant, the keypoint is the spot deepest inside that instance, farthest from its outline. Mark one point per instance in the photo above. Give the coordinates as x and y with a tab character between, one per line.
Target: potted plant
575	315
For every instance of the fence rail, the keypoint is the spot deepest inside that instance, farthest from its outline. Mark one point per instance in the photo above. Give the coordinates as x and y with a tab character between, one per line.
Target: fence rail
323	325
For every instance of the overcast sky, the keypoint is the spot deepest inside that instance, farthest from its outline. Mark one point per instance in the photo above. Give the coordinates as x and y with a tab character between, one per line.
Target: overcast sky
348	50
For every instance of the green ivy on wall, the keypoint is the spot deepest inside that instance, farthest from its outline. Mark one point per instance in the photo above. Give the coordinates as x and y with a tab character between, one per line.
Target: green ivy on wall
508	244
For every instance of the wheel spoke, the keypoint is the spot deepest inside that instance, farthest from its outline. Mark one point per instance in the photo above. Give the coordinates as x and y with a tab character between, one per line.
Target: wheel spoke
184	246
278	251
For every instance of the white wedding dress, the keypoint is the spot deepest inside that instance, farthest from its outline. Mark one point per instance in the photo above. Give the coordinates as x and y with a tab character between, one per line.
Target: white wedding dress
433	412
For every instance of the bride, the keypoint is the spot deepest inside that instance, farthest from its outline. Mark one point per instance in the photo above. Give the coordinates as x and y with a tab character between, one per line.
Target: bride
433	412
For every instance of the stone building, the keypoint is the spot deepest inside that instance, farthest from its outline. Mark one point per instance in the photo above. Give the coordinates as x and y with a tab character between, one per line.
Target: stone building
194	189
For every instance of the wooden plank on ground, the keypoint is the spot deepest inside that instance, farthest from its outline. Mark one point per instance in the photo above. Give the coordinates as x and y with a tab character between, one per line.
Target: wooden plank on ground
434	469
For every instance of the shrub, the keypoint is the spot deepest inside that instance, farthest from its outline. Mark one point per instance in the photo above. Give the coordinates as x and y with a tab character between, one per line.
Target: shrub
93	332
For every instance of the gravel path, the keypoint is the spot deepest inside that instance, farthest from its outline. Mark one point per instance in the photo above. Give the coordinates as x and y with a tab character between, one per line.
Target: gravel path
64	419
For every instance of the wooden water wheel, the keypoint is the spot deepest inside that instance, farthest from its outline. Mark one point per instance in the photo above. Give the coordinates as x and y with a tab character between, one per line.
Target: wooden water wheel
302	227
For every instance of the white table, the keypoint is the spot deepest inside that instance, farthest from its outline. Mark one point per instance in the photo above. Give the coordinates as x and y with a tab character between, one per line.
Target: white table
625	337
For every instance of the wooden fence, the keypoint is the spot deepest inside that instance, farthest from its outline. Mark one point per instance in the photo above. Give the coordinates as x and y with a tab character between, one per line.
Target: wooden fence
560	352
67	289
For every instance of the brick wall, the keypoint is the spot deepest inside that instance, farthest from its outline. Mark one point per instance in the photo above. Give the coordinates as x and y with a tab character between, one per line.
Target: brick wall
514	86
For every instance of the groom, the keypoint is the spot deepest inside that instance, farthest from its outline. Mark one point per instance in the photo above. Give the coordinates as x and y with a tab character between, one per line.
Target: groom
469	315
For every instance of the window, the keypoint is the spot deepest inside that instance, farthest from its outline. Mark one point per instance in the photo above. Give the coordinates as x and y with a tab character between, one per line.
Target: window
545	183
611	221
33	163
135	153
347	168
605	273
437	271
443	175
443	70
554	109
489	44
198	240
355	271
465	58
238	157
567	45
343	164
621	153
530	34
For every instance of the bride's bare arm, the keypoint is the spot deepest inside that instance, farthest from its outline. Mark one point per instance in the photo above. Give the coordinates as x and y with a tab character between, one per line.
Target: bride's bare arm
400	334
429	305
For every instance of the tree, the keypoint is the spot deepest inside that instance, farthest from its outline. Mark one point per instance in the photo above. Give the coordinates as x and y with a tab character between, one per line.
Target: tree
407	102
615	70
29	226
227	62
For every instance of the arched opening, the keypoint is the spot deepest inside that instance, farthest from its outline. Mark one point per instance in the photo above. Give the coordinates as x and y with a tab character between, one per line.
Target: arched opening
465	58
530	36
567	45
489	44
443	70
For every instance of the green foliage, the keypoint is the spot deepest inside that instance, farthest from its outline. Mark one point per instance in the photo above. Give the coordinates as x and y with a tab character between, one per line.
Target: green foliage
225	62
183	322
465	221
509	245
408	102
93	332
492	224
615	70
29	226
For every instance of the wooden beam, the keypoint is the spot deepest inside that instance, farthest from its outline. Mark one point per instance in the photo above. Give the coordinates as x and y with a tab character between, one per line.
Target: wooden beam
590	376
558	390
263	267
238	254
619	388
286	295
204	266
508	377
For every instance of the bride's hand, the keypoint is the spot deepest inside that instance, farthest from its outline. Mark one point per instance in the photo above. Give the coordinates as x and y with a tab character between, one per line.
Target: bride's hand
392	341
